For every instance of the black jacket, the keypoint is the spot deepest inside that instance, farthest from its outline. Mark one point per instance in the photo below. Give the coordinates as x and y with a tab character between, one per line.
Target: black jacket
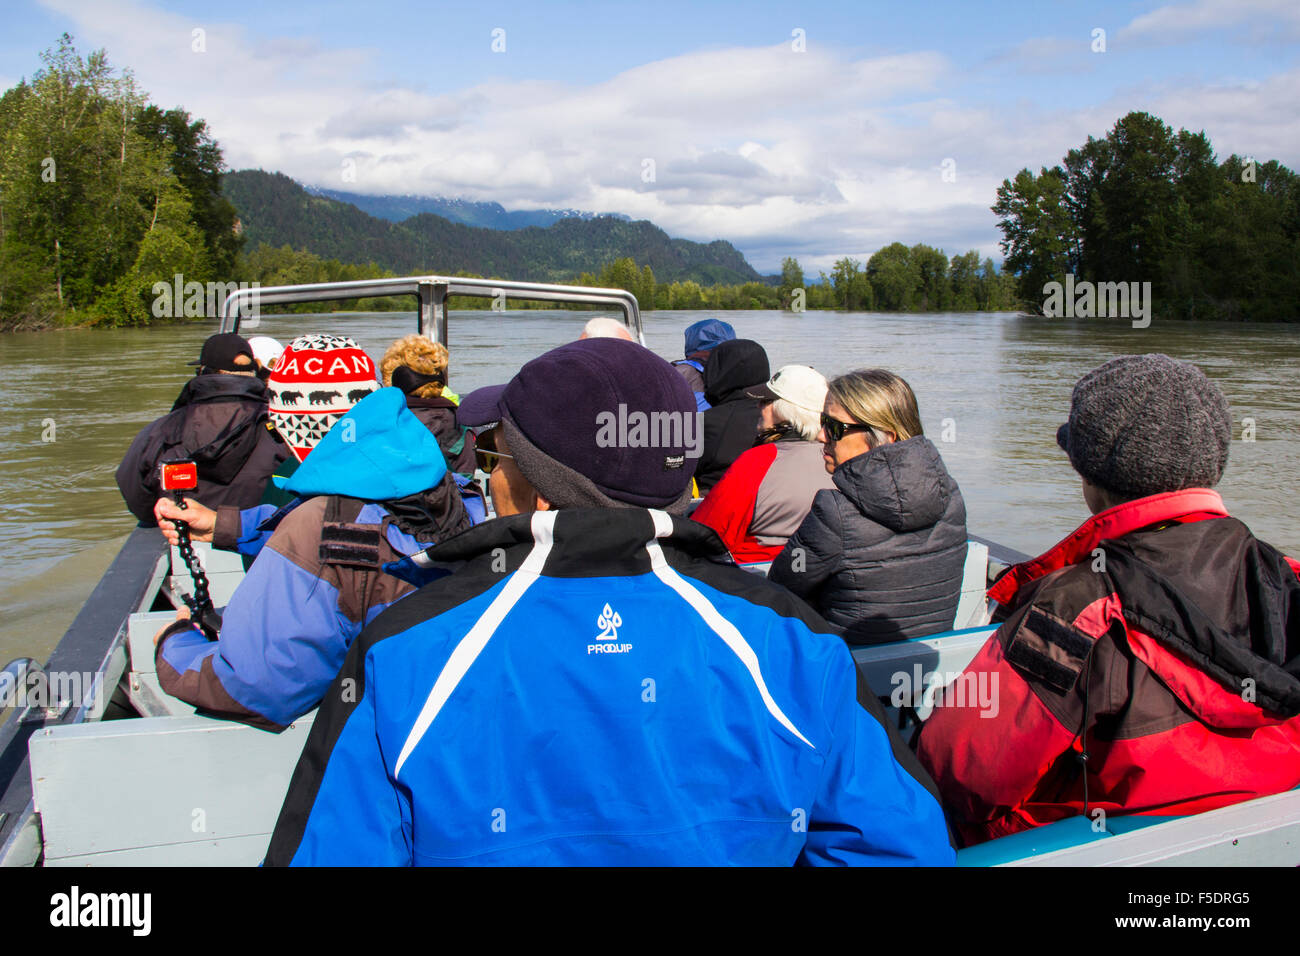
731	425
882	554
456	441
219	421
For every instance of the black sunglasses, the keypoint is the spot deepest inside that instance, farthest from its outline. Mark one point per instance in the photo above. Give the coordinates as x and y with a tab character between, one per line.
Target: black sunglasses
836	429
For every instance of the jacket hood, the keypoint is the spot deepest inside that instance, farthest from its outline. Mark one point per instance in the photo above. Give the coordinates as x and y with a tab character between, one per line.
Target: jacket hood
1240	674
732	368
378	451
903	485
706	334
217	387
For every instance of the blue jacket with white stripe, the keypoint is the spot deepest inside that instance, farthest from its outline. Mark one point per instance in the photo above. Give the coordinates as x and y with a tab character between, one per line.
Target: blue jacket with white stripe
599	687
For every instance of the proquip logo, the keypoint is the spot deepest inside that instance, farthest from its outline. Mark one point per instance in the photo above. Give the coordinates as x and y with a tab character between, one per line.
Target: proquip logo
609	621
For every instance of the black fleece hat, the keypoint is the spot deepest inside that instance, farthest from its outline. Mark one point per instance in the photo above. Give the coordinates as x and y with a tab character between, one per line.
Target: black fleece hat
220	351
596	422
1146	424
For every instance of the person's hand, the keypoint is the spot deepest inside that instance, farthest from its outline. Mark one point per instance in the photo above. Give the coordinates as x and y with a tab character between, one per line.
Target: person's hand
200	519
182	614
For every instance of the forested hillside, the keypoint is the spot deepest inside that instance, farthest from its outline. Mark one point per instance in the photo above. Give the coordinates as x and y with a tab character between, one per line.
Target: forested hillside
102	194
275	210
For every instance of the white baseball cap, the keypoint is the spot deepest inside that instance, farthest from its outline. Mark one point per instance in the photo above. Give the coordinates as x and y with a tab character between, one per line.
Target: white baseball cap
265	350
799	385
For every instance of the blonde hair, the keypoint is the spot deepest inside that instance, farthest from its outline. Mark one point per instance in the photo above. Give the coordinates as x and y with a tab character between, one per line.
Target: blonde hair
880	400
419	354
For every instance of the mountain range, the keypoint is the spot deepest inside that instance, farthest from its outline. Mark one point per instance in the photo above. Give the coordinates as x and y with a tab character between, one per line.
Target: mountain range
279	211
489	215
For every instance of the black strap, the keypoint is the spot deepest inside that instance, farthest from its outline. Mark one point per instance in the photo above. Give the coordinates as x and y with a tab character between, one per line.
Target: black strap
343	541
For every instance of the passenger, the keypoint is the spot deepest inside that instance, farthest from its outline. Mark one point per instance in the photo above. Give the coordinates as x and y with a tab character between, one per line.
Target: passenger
266	351
603	327
1147	664
219	420
764	497
881	556
734	369
593	686
247	530
701	338
375	488
418	367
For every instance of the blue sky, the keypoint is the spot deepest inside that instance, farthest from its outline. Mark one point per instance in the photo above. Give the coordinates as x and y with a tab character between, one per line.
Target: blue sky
706	118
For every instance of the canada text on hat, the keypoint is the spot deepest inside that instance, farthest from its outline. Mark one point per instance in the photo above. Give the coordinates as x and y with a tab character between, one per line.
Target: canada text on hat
316	381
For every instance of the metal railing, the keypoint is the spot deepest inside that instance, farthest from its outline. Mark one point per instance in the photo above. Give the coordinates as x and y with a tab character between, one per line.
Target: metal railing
431	294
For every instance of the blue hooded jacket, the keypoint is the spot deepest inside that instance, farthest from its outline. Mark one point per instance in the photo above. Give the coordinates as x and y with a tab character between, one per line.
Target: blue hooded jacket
291	620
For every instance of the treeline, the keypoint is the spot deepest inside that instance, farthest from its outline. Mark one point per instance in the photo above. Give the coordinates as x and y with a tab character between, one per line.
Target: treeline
101	195
1216	240
895	279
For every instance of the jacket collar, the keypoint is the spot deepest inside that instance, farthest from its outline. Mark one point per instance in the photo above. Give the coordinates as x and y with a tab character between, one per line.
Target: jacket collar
1191	504
612	540
213	386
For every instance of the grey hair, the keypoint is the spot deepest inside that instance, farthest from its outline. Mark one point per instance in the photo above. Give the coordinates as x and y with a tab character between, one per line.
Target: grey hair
806	424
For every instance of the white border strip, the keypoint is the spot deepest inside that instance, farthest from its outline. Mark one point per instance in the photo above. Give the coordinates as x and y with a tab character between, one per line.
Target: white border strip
472	644
716	622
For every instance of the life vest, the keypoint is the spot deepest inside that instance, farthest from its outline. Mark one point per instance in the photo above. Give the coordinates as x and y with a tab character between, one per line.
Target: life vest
701	403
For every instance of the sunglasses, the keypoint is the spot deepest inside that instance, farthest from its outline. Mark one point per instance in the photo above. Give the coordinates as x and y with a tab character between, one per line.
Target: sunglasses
836	429
487	459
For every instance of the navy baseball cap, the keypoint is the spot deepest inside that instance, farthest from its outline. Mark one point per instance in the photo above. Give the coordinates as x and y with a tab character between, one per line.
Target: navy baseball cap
610	410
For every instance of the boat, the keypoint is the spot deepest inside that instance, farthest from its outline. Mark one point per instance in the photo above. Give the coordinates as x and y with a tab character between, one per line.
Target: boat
99	767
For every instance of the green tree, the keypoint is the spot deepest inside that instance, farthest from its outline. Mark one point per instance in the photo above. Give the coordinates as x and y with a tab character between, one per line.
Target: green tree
195	159
895	278
791	279
1039	237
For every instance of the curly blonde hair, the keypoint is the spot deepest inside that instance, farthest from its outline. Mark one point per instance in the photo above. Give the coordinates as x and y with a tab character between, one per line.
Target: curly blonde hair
418	354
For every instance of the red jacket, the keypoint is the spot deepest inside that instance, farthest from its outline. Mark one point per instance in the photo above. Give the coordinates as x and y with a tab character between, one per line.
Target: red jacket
764	497
1147	665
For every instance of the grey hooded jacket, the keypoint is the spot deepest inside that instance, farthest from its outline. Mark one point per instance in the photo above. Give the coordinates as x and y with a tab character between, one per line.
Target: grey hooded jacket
881	555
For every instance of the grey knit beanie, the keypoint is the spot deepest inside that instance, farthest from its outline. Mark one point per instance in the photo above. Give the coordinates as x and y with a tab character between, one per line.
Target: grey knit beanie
1146	424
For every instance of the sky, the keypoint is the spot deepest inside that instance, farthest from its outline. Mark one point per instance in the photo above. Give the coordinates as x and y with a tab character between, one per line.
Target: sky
813	130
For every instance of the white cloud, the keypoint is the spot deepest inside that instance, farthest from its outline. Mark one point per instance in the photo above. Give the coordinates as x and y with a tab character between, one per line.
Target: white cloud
816	154
1177	20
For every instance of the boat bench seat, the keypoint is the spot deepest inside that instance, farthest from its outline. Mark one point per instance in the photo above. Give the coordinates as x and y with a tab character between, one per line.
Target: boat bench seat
142	687
224	571
161	791
904	670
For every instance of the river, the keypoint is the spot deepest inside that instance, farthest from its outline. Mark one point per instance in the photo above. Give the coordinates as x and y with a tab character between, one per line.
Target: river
992	389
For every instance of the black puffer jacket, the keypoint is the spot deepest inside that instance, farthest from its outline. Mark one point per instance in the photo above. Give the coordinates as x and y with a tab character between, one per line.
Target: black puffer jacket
731	425
881	556
220	421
